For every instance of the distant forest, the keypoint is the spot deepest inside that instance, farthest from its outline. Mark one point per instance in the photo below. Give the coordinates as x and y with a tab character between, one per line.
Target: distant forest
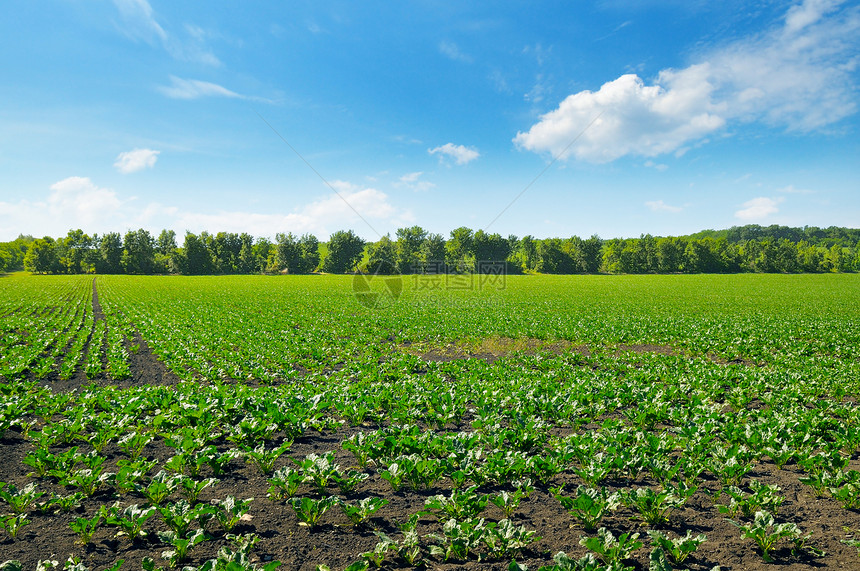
752	248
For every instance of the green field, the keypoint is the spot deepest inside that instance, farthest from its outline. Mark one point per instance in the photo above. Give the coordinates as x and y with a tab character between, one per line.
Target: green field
498	421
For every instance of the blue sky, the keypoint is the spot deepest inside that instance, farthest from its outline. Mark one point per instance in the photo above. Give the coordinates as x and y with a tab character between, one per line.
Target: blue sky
635	116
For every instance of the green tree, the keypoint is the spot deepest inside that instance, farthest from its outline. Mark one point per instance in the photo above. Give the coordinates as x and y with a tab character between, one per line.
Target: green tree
138	256
345	249
433	254
74	251
590	254
408	249
381	254
310	250
196	259
526	254
109	259
459	251
41	257
165	250
246	262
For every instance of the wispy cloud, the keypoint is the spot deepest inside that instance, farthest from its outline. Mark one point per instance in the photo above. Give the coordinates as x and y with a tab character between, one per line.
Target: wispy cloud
657	166
460	154
799	76
140	23
759	208
791	190
452	51
136	160
194	89
660	206
413	181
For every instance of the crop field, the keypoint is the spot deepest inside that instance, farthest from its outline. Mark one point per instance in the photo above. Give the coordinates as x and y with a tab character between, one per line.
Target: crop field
519	422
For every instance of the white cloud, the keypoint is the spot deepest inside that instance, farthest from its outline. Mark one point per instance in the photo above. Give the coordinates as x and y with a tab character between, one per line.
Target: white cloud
139	23
798	76
759	208
660	206
412	181
194	89
76	202
136	160
658	166
791	190
461	155
452	51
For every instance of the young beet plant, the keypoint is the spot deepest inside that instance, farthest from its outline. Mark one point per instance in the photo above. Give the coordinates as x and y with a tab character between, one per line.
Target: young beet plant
229	511
588	505
309	511
20	501
12	524
86	528
766	533
609	549
265	458
360	512
285	483
130	520
678	549
653	507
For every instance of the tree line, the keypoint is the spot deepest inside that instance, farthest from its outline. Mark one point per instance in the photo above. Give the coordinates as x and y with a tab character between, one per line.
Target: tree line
772	249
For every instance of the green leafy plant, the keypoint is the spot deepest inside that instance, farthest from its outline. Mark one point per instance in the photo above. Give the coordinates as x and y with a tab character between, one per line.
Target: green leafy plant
504	539
508	502
191	488
588	562
86	527
319	469
20	501
458	539
676	549
285	483
181	543
359	513
309	510
588	505
159	488
347	481
130	520
229	511
459	505
609	549
265	458
766	533
653	506
12	524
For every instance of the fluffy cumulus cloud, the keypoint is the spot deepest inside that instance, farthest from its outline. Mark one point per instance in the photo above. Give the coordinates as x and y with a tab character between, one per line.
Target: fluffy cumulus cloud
74	202
136	160
458	153
798	76
758	208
